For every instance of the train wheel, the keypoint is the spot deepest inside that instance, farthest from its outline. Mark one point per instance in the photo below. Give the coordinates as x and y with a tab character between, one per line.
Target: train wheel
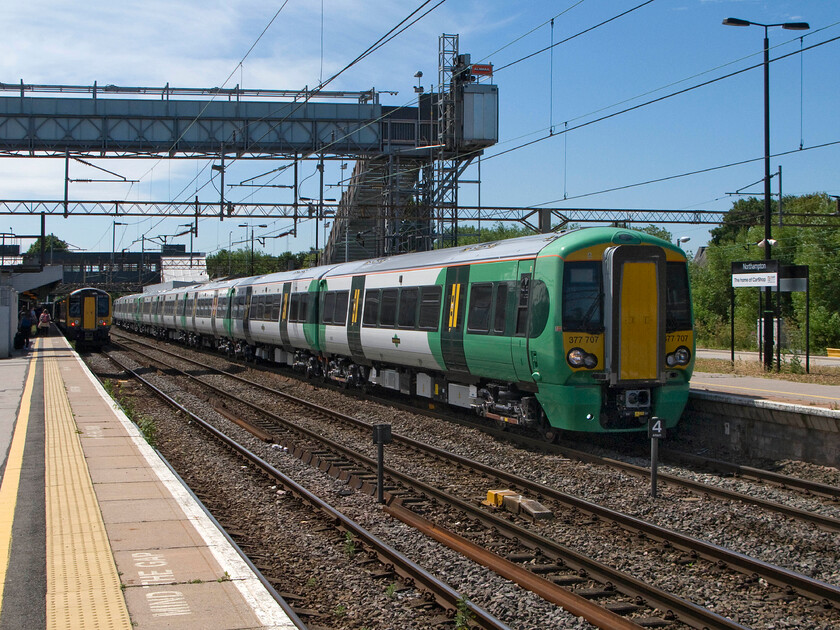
549	433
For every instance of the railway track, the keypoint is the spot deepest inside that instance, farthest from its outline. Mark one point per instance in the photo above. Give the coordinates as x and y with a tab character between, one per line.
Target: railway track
559	559
702	489
390	559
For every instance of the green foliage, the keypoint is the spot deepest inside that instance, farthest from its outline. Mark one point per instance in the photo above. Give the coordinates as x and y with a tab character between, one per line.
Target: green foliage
464	615
238	263
51	243
736	240
470	234
658	232
349	545
392	588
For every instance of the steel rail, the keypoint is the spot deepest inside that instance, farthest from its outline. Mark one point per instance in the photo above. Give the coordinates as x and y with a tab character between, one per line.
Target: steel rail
698	487
688	612
444	595
785	481
569	600
802	584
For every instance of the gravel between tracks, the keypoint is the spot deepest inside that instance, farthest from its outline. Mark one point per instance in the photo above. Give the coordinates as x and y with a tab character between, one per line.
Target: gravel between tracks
751	531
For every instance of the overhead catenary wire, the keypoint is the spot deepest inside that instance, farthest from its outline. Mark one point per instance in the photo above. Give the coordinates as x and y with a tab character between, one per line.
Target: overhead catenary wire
400	27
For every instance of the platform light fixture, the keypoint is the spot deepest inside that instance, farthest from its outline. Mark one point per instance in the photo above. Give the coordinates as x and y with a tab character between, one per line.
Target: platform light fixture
768	313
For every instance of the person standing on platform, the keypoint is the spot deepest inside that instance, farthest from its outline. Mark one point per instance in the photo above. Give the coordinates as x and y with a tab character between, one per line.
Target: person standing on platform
44	323
25	326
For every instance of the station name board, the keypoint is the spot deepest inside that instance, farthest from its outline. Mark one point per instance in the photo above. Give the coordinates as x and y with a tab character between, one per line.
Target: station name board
755	273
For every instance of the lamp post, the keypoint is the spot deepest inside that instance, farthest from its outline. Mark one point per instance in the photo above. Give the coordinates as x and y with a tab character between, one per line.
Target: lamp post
251	262
681	240
768	313
230	234
418	90
192	231
114	246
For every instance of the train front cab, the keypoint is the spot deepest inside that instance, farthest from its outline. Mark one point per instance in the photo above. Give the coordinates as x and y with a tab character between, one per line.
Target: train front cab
625	351
88	317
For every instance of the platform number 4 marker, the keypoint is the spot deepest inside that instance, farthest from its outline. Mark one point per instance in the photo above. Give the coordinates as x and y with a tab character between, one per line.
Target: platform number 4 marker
656	428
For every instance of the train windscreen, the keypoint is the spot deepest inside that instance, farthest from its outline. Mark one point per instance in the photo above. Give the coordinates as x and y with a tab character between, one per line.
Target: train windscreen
583	297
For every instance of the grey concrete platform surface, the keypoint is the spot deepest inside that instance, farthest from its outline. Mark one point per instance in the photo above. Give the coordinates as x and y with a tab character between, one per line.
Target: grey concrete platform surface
95	530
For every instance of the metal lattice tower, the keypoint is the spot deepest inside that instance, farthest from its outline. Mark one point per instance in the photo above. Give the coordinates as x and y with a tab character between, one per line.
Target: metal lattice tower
445	187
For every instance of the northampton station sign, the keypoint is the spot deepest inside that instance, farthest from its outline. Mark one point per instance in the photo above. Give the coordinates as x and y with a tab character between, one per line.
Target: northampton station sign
755	273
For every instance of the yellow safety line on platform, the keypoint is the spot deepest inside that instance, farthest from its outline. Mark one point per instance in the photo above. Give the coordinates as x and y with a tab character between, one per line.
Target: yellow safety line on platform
83	586
766	391
11	479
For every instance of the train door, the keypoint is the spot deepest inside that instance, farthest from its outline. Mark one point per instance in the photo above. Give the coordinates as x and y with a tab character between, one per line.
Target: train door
519	348
634	279
354	318
454	313
246	316
88	312
284	317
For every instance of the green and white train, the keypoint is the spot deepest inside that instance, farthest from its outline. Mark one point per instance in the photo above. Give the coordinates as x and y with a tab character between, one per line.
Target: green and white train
588	330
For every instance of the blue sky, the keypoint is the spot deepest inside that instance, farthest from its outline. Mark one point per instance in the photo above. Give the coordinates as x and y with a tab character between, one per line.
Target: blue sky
655	50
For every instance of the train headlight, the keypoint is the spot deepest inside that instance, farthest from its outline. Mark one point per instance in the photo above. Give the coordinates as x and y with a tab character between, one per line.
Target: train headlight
579	358
681	356
576	357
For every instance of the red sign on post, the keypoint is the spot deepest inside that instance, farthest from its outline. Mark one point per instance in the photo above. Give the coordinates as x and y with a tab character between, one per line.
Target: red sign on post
485	69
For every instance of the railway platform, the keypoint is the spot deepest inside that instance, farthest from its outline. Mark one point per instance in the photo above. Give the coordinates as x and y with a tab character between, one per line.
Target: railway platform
96	531
768	389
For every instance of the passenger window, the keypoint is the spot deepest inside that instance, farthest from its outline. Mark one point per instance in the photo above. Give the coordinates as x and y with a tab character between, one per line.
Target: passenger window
478	320
371	313
540	306
329	308
293	307
430	308
522	305
408	308
303	307
341	298
500	316
388	309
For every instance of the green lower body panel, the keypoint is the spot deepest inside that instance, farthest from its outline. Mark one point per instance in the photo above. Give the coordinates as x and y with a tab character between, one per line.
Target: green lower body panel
579	408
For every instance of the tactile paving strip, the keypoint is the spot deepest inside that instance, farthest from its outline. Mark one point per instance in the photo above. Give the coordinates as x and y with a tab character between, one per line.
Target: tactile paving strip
83	586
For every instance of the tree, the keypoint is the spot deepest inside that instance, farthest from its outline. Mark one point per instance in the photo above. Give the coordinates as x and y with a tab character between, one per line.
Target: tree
658	232
51	243
744	213
498	232
736	240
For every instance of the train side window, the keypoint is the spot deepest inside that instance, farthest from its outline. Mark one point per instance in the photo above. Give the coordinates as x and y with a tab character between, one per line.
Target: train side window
388	308
430	308
540	306
499	317
341	299
294	303
303	307
275	306
329	308
371	313
408	308
522	304
478	319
